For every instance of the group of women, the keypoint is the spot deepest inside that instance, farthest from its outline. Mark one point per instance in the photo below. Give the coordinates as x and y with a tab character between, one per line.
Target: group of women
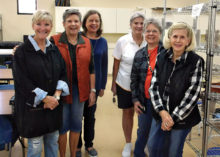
161	82
57	82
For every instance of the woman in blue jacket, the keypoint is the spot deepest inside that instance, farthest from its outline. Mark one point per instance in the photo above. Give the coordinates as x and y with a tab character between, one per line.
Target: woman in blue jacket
92	29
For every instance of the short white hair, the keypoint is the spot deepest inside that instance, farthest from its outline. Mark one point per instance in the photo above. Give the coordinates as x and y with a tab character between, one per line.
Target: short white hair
136	15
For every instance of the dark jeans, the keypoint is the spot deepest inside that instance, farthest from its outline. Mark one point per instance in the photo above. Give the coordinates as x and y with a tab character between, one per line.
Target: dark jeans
144	124
166	143
89	124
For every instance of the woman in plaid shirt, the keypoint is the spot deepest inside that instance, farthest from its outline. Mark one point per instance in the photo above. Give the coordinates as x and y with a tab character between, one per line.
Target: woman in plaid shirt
174	92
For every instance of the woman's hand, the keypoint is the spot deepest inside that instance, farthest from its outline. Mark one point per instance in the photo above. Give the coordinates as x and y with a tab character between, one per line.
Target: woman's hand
167	121
50	102
137	106
14	49
101	92
113	89
92	98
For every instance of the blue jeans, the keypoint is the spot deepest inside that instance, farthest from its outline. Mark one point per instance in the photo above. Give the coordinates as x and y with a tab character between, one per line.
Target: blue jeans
50	142
166	143
144	124
73	114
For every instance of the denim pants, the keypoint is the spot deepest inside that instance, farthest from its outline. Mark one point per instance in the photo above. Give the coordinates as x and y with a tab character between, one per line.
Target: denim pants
89	124
50	142
144	124
73	114
166	143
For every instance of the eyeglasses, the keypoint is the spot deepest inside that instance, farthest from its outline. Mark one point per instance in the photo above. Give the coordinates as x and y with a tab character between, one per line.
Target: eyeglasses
153	31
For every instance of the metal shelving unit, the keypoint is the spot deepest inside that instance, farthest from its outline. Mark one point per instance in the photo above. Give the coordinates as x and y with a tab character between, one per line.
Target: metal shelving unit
200	147
1	33
209	96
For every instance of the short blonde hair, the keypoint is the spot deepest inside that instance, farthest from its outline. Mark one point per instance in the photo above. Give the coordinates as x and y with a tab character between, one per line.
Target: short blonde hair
190	35
42	15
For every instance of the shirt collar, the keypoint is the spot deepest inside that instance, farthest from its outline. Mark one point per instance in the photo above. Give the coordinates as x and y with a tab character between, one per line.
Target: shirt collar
182	58
133	42
35	45
64	39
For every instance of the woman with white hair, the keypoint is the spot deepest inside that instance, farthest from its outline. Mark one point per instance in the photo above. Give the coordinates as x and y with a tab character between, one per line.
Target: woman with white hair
125	50
174	92
141	74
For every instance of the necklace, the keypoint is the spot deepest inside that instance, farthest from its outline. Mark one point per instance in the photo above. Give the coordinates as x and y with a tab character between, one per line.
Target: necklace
148	62
149	52
73	41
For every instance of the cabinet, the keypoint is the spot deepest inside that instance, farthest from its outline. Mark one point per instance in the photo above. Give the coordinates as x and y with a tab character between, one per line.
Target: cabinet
108	17
123	20
115	20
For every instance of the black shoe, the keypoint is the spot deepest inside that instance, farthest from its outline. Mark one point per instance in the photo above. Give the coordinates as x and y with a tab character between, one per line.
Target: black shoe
92	152
78	153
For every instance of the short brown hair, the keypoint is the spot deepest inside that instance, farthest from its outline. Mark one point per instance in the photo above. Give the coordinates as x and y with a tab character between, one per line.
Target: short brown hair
91	12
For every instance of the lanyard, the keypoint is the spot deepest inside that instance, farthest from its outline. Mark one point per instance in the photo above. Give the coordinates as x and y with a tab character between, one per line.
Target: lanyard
148	62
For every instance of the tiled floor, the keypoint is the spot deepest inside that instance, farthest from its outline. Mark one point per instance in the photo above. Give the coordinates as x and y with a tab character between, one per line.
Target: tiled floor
109	138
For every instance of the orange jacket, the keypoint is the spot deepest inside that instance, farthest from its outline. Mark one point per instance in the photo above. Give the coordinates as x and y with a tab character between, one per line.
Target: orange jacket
83	58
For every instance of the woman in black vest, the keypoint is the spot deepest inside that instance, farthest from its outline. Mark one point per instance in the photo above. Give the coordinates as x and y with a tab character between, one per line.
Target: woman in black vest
174	92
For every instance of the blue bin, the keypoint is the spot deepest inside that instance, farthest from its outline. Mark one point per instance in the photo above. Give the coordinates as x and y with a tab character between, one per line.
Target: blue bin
213	152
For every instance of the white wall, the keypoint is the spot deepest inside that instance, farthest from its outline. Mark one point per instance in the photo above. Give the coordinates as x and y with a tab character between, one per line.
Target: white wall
15	26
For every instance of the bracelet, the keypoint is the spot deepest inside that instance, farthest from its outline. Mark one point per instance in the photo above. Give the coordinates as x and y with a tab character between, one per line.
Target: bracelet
57	97
93	90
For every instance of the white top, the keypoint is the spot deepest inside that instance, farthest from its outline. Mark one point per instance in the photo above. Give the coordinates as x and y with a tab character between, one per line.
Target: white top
125	51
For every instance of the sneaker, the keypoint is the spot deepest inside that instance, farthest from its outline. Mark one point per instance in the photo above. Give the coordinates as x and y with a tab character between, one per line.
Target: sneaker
78	153
92	152
127	150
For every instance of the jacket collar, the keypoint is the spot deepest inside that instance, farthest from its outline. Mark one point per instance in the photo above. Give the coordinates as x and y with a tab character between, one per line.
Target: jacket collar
63	39
159	50
181	59
35	45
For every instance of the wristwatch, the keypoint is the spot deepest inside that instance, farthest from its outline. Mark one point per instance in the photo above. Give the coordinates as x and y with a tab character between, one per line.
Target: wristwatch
57	97
93	90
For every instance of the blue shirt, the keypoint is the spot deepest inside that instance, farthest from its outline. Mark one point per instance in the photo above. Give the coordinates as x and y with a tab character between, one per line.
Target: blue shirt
100	50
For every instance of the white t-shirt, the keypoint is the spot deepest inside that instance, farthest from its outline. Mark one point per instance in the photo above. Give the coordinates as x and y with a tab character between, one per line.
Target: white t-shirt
125	51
